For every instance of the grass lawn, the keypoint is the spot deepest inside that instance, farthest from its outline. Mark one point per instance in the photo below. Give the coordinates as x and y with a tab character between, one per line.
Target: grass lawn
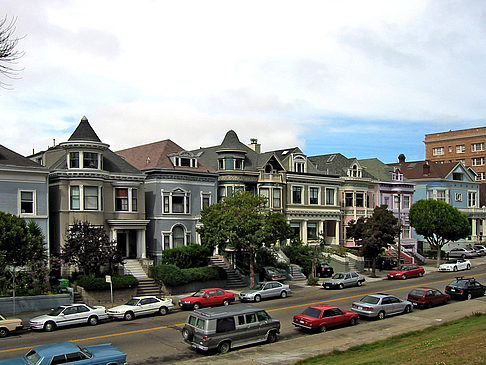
459	342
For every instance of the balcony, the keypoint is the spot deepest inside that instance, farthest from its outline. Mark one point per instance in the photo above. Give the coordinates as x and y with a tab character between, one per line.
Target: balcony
276	178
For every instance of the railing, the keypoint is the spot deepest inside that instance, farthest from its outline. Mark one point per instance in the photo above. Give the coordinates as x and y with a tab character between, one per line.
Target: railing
271	177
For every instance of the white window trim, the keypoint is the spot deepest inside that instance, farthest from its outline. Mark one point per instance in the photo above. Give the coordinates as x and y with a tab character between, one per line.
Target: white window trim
272	198
81	199
458	197
461	148
130	199
177	191
481	161
202	195
34	202
476	199
81	160
474	149
437	151
318	195
334	196
301	194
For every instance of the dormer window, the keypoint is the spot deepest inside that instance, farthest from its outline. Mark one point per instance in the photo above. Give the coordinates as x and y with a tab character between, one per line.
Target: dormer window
90	160
397	175
354	171
184	162
299	164
74	160
230	163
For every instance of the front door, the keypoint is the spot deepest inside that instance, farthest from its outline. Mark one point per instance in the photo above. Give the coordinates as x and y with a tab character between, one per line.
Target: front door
132	244
121	243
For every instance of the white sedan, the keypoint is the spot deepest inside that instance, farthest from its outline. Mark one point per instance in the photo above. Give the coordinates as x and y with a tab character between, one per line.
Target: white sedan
455	265
140	306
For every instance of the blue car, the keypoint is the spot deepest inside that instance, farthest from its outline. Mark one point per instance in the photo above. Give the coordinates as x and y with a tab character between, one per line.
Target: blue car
70	353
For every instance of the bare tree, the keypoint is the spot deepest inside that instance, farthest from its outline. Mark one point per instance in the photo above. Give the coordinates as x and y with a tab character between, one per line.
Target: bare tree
8	49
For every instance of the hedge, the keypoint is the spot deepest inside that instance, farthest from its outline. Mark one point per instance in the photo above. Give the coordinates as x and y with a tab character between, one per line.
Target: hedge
90	282
193	255
171	275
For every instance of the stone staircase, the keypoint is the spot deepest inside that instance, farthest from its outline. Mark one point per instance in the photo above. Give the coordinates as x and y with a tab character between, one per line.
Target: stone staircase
146	285
133	267
233	278
296	272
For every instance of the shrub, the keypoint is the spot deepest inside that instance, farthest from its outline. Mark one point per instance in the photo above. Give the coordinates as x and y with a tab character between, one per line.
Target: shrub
312	280
171	275
193	255
300	255
90	282
433	254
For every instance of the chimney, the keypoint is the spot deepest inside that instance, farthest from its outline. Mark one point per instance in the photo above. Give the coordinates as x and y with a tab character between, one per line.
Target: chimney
254	145
426	168
401	158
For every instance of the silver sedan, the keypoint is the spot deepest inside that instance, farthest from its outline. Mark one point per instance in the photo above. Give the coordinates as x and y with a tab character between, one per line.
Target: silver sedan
265	290
381	305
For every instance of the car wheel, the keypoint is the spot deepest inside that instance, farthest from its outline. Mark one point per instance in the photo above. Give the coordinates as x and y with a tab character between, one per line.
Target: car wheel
407	309
283	294
271	337
257	298
404	277
420	274
455	268
353	321
322	328
3	332
49	327
196	306
359	283
468	267
187	334
226	302
93	321
469	296
380	315
128	316
341	286
163	311
446	301
224	347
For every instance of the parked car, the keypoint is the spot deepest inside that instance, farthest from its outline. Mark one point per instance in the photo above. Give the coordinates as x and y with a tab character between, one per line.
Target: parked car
223	328
207	298
66	315
465	288
70	353
480	249
320	317
139	306
344	279
455	265
462	252
324	271
406	271
272	273
386	262
9	325
265	290
381	305
427	297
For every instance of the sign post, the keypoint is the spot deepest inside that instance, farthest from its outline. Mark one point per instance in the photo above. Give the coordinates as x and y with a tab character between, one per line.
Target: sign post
108	280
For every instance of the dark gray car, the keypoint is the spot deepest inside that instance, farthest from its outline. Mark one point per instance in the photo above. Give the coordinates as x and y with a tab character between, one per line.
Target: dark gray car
344	279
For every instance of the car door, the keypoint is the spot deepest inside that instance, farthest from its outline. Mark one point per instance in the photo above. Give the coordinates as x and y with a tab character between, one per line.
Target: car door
413	271
347	281
269	290
211	298
83	313
461	264
476	289
390	305
68	316
147	306
220	296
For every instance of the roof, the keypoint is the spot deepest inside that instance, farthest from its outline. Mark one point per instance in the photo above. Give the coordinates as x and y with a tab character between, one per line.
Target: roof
336	164
230	310
376	168
156	155
56	348
11	158
84	132
414	170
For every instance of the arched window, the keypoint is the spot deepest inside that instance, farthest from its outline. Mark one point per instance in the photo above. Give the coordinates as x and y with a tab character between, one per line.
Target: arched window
178	236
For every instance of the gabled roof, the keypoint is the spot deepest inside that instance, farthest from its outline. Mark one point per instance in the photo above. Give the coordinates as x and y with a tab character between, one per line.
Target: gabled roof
156	156
336	164
378	169
11	158
84	132
415	170
285	153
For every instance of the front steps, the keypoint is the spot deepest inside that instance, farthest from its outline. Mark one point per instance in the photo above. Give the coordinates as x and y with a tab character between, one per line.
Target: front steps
296	273
233	279
146	285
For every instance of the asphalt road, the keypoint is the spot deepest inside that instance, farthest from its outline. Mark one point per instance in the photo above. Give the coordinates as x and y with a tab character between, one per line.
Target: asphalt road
157	339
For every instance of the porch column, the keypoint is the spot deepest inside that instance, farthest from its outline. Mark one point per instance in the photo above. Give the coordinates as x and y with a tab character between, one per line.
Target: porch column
473	229
304	231
336	233
321	228
141	247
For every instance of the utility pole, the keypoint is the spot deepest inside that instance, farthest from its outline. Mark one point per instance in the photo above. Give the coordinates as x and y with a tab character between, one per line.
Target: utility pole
399	227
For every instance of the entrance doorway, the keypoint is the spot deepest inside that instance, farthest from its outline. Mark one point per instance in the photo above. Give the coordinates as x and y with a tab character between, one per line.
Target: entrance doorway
126	242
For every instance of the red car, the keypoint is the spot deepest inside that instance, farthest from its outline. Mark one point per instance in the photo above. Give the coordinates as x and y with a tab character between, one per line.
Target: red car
406	271
322	316
427	297
207	298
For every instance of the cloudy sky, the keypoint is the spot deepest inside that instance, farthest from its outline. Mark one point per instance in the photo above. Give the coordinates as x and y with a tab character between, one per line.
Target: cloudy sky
364	78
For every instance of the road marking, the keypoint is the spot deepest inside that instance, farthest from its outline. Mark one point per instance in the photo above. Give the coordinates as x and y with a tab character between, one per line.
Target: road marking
268	310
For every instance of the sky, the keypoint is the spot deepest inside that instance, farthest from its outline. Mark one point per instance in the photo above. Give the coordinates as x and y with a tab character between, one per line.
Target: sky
363	78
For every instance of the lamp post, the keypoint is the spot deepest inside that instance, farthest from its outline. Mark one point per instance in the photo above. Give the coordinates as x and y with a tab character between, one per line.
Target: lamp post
399	228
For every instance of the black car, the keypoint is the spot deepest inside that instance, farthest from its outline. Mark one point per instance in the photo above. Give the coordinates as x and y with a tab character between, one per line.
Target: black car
386	262
465	288
324	271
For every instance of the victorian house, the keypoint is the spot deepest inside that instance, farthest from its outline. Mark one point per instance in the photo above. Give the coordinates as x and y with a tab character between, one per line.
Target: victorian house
178	186
89	182
24	189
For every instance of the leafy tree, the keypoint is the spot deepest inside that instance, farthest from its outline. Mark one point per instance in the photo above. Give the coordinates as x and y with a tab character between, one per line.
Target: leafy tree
8	49
89	247
374	233
239	221
439	223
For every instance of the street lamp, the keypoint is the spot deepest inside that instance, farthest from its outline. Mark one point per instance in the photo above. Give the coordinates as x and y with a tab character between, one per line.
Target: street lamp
399	228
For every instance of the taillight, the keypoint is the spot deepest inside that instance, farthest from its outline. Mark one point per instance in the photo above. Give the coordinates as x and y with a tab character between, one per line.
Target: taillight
206	338
462	291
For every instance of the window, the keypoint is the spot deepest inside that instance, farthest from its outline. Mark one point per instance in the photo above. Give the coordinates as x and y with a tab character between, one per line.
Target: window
330	197
90	160
457	176
277	198
475	147
386	201
205	200
297	194
359	199
471	199
74	160
134	200
121	199
478	161
27	202
461	148
348	199
299	166
312	231
480	176
313	195
176	202
225	324
221	164
458	197
90	197
266	194
354	171
184	161
406	201
295	226
450	148
437	151
406	231
238	164
442	195
178	236
229	164
75	198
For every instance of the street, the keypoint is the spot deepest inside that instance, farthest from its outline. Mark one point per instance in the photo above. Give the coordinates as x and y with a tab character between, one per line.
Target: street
157	339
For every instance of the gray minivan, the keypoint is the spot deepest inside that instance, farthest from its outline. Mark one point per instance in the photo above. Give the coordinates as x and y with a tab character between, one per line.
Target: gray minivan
223	328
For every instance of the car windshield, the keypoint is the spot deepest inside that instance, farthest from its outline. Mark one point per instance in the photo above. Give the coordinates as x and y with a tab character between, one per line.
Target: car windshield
402	267
451	262
459	283
56	311
370	299
133	301
86	352
417	293
338	276
199	293
259	286
271	271
312	312
32	357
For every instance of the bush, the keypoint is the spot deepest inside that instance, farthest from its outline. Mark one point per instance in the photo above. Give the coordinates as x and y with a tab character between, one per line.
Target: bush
312	280
171	275
193	255
433	254
300	255
90	282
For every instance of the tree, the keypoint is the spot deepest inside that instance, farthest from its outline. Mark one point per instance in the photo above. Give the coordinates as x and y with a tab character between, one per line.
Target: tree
8	49
439	223
239	221
89	247
374	233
